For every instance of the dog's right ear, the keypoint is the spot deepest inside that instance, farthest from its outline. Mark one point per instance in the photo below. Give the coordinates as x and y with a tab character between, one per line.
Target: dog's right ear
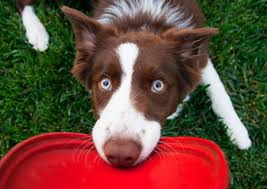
86	30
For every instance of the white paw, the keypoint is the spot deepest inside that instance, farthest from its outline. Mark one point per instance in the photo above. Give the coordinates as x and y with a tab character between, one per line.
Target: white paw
243	143
35	31
38	37
241	139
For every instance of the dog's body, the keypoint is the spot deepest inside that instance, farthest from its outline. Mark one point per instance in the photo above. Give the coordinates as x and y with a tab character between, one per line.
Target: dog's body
141	59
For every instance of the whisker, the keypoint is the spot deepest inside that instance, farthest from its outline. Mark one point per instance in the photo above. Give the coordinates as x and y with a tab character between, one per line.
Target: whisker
95	159
77	149
80	138
175	141
168	146
81	151
98	161
165	147
86	155
160	153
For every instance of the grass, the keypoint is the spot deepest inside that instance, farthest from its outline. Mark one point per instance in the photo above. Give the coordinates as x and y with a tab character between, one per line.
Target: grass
38	94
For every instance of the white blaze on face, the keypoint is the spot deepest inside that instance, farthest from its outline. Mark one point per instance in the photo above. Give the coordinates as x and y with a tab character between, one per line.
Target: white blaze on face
119	118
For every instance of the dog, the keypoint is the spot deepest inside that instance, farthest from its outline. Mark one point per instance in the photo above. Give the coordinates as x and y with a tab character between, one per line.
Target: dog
141	60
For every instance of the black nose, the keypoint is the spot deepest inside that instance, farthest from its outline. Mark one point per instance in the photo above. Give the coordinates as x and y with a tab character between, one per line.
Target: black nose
122	153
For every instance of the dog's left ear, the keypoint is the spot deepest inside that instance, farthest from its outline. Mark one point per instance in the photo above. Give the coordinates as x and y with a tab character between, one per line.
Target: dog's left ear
87	30
189	48
188	42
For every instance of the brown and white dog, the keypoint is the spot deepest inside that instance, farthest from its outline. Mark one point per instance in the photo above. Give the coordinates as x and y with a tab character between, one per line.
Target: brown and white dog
141	59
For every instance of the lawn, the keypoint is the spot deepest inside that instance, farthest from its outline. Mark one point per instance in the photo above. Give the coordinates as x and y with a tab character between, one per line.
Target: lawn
38	94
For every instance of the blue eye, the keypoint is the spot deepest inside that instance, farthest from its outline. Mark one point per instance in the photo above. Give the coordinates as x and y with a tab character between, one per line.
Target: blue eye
157	86
105	84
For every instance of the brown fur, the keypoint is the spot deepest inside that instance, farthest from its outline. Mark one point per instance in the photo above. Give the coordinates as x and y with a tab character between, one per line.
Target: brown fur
173	56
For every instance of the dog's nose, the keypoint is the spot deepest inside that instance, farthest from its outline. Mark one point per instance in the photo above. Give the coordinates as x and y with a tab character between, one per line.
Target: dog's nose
122	153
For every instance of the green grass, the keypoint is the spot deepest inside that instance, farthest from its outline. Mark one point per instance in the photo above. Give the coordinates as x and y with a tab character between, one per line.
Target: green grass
38	94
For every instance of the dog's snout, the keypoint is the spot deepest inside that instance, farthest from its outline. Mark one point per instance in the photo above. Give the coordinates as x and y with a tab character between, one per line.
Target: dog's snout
122	153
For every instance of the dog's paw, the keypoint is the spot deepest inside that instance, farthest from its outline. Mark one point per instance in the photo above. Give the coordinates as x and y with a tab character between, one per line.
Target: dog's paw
35	31
38	36
243	143
241	139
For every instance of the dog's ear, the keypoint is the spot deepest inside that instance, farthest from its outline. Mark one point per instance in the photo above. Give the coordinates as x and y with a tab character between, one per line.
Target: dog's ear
87	30
189	42
189	48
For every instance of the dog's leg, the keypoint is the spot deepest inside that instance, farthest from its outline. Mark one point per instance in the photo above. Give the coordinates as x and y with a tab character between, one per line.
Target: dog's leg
223	107
35	31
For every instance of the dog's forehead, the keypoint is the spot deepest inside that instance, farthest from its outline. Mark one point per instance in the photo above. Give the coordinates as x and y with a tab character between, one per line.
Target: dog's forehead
137	58
133	57
151	46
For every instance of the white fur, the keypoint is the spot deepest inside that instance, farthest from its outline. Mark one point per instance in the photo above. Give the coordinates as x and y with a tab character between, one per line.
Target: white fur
157	8
223	107
35	31
119	118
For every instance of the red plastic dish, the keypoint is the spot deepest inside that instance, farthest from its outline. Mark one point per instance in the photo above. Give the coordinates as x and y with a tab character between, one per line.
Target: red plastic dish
69	161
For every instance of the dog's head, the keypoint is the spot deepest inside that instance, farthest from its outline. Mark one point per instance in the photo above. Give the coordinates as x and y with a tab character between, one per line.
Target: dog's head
137	80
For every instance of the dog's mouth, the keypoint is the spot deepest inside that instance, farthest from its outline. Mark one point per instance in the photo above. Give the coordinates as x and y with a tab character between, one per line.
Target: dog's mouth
125	147
124	153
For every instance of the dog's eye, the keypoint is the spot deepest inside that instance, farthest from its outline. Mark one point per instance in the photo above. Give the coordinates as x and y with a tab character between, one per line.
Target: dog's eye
157	86
105	84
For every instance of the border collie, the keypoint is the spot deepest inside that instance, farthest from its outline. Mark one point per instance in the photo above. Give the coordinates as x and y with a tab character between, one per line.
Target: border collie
141	59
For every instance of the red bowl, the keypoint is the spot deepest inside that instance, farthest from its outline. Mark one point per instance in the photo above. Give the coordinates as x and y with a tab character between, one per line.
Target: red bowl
69	161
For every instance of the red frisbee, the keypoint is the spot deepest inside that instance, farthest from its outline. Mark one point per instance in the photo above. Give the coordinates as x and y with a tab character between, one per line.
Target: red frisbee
69	161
